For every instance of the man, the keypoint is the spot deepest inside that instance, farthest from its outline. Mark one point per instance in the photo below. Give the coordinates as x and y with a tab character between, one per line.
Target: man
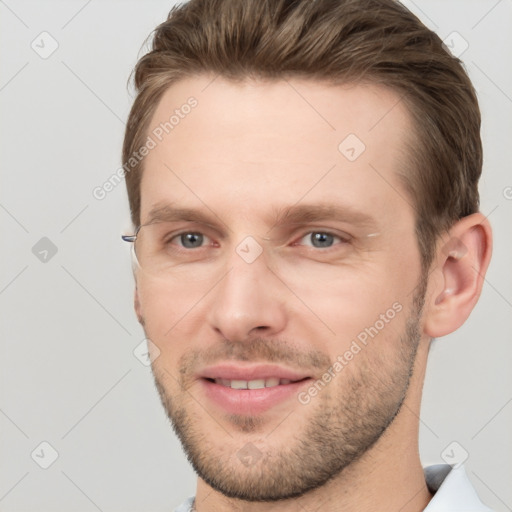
303	179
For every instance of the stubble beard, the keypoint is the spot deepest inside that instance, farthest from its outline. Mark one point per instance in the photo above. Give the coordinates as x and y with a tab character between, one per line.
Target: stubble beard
345	421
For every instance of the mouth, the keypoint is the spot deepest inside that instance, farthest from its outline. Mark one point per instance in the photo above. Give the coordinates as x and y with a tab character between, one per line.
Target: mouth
250	389
255	383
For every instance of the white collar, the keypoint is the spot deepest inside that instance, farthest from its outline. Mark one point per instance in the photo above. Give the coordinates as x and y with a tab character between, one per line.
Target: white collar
453	490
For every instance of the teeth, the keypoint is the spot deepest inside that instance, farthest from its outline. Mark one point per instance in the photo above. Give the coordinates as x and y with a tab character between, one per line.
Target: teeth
256	384
253	384
239	384
270	383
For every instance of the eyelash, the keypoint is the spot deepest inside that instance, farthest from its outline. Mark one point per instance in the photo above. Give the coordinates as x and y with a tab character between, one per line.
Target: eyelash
342	240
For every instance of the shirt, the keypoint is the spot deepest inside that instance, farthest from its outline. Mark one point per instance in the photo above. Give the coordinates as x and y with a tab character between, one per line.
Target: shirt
451	488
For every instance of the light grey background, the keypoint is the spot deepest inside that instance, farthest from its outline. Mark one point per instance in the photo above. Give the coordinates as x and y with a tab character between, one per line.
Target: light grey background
68	373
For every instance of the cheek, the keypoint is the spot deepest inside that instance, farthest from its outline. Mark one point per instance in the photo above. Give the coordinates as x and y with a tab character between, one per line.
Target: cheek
166	307
348	301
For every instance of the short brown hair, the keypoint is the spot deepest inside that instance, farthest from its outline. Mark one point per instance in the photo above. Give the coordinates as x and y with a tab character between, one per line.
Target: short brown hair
338	41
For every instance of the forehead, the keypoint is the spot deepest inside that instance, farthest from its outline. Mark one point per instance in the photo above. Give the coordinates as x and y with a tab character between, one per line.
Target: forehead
256	145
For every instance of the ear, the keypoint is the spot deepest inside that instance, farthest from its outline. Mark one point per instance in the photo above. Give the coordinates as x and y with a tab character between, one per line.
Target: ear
460	265
137	307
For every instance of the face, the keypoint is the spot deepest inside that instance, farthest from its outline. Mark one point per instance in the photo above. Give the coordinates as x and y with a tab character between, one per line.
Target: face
278	278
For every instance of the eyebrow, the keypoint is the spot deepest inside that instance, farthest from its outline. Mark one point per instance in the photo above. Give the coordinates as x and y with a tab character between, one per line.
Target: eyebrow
169	213
287	216
307	213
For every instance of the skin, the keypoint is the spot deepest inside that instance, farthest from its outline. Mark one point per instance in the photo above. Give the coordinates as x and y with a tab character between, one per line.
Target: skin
246	151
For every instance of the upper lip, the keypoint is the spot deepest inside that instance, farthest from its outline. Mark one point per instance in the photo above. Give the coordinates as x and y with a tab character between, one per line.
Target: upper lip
232	371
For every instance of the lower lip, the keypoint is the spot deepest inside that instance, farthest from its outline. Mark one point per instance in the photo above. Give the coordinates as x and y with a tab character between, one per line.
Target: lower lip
250	401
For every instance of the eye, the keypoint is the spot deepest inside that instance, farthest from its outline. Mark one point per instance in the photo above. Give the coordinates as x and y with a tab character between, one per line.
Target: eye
190	239
321	239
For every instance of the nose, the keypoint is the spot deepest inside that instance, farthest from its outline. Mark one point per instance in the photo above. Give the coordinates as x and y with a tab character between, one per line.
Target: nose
248	301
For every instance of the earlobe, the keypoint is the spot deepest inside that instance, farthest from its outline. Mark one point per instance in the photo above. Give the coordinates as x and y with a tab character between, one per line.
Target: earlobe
461	263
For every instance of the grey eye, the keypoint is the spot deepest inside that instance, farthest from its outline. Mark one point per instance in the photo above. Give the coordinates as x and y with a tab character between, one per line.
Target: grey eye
191	240
320	239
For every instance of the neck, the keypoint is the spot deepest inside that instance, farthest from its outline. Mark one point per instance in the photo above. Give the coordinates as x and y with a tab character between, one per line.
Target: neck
388	477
